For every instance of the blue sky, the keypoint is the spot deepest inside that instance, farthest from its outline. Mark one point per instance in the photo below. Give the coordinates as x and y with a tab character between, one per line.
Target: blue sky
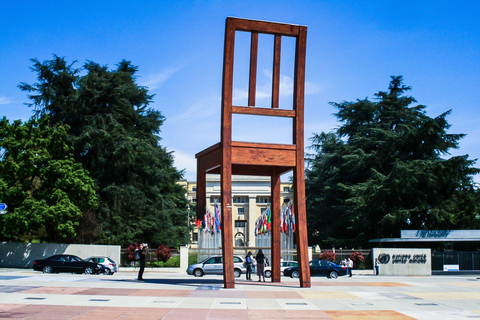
353	47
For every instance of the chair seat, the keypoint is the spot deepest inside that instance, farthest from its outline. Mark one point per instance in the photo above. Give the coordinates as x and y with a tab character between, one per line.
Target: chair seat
249	158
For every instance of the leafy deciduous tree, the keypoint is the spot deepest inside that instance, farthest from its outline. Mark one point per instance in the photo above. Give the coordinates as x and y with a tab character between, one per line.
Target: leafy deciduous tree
47	192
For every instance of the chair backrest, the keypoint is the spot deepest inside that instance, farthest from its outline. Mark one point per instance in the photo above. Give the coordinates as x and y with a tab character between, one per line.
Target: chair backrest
278	30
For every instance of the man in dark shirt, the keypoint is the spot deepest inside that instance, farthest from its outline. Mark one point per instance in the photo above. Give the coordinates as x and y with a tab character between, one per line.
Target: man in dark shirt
142	251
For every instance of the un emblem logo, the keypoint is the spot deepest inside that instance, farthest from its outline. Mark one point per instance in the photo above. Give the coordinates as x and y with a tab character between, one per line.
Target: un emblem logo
383	258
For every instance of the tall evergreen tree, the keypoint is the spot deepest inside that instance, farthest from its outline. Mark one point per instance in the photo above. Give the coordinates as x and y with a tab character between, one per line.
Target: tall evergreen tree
116	138
385	169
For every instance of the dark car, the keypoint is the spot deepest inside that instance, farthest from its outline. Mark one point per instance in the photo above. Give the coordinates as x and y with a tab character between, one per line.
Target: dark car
67	263
319	268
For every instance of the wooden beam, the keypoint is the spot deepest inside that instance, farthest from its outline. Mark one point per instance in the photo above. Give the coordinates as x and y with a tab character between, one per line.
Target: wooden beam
252	85
266	157
265	27
275	146
208	150
275	238
226	168
301	226
269	112
253	170
276	71
209	161
299	171
201	193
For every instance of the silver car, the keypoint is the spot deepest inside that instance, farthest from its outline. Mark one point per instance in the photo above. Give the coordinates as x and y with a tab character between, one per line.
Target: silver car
110	265
214	265
283	266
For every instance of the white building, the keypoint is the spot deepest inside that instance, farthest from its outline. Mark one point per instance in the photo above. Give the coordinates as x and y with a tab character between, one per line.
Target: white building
251	196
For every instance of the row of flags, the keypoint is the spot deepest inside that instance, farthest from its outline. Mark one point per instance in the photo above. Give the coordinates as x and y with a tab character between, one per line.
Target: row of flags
211	221
263	224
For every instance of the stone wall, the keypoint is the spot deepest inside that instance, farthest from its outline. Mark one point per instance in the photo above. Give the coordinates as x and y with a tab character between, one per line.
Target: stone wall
22	255
403	262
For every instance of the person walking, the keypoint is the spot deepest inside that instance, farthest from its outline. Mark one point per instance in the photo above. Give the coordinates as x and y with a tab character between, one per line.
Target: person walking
141	253
376	267
249	265
349	266
260	257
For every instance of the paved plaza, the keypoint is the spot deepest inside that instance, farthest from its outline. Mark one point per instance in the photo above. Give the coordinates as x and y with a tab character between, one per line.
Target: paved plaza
25	294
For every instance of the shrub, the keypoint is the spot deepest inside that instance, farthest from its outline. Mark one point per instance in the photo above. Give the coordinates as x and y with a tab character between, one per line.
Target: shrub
163	253
327	255
357	257
131	251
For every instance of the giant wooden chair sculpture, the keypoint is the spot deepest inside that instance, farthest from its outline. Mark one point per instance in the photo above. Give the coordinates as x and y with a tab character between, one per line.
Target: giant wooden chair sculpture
229	157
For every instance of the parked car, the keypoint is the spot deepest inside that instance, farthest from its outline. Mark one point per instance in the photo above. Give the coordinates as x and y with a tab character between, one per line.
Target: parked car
319	268
67	263
110	266
214	265
283	266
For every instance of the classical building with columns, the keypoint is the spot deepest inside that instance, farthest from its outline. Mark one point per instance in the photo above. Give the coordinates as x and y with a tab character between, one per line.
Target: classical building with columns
251	196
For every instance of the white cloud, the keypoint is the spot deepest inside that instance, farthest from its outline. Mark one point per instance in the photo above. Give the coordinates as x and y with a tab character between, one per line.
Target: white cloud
312	88
186	161
155	81
5	100
201	108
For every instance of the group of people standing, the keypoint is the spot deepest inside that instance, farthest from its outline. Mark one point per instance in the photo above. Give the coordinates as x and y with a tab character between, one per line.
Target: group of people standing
349	265
260	260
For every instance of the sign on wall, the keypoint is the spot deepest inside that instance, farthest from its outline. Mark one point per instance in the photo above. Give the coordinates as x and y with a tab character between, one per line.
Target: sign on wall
403	262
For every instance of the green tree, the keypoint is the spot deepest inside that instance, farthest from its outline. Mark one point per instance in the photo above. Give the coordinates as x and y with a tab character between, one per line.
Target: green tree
116	138
386	169
47	192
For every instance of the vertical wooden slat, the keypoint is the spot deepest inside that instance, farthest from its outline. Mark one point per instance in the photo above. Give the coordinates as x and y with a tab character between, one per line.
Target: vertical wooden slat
201	192
226	170
252	85
299	171
275	227
276	70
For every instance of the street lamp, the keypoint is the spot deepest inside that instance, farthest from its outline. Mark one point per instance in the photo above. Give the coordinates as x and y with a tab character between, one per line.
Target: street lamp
188	221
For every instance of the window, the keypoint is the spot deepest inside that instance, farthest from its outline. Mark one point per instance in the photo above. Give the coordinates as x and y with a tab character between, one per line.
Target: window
263	199
215	199
286	189
286	200
237	259
240	199
241	210
240	223
194	188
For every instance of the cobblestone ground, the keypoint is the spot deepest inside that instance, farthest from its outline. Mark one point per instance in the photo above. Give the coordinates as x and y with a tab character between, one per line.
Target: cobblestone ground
25	294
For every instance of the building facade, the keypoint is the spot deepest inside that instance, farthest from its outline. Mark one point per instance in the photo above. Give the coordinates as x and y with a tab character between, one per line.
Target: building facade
251	197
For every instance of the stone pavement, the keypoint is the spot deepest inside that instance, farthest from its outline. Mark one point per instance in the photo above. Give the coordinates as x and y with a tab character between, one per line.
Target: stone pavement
26	294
